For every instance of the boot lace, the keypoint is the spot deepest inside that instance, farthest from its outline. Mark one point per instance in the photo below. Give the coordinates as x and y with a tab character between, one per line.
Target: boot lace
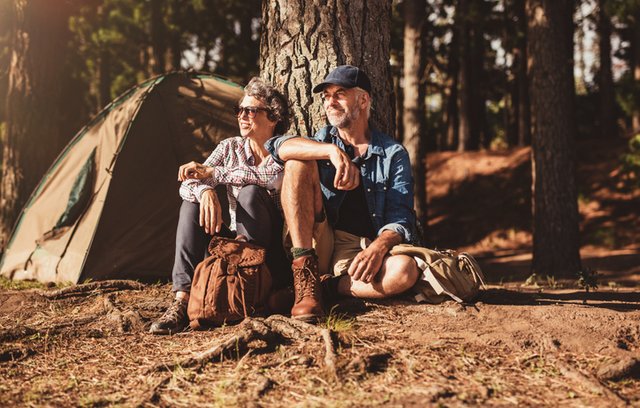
306	280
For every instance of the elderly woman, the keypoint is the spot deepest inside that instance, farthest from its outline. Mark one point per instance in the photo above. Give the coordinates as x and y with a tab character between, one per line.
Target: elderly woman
252	181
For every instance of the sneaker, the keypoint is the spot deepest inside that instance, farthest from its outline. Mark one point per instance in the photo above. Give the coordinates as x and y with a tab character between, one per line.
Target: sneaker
174	319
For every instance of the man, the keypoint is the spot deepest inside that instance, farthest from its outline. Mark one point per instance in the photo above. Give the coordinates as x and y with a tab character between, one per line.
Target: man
350	190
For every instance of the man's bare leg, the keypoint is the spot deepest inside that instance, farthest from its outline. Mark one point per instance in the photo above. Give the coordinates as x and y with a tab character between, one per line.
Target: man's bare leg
301	200
398	274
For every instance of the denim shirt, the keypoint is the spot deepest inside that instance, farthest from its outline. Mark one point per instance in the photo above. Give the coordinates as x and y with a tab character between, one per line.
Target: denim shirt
385	174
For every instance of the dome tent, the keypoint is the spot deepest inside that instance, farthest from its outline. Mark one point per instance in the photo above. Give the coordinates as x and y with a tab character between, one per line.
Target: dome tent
108	206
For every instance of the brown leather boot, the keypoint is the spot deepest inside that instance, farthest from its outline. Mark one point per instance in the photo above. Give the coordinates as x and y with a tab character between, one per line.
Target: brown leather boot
306	283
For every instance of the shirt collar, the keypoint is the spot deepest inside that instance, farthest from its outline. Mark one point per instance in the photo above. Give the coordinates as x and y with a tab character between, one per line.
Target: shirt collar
247	151
375	145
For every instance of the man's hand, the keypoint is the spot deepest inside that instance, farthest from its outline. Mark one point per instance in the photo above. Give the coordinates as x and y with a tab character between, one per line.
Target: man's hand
347	174
367	264
210	212
194	170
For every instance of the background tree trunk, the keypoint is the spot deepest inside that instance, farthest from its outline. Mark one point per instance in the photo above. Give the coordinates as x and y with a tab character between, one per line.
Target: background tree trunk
34	105
607	96
524	106
415	16
158	37
302	41
554	203
464	76
451	112
635	118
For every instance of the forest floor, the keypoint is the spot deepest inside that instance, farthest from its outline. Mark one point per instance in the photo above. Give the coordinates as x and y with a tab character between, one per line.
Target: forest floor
530	341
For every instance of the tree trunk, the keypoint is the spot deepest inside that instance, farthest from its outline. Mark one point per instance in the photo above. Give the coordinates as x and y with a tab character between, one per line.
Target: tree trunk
415	16
635	117
104	64
554	202
451	114
607	96
302	41
34	105
464	77
479	135
158	38
524	104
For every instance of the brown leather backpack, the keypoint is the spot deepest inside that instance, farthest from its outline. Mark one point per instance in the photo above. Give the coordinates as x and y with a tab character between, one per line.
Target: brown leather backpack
231	284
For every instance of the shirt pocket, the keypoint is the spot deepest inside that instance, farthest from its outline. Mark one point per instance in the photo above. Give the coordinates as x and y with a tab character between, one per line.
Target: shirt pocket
378	195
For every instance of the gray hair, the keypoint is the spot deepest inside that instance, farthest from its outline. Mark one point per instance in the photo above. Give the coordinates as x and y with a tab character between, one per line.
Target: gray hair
367	109
277	104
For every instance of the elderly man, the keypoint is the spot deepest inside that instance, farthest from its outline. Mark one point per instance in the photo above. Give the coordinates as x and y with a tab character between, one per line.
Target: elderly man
347	198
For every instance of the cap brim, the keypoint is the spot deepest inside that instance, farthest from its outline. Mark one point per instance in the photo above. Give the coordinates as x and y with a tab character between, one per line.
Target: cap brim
320	87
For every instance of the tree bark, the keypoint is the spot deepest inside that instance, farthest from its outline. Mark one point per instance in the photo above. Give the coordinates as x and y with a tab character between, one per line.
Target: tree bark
34	105
415	16
607	96
302	41
554	198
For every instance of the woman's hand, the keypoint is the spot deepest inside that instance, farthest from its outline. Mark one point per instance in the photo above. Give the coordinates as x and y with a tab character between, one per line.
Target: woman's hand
210	212
195	171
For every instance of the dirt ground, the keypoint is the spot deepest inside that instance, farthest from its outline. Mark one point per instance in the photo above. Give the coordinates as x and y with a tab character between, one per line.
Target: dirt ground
527	341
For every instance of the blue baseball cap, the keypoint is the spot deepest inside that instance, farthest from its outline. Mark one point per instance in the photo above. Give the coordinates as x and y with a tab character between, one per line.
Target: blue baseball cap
347	76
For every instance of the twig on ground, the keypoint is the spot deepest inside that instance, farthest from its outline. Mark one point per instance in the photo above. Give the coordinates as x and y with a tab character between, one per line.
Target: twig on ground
93	287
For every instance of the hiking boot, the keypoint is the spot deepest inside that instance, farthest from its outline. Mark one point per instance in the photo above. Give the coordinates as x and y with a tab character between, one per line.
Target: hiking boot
308	292
281	301
174	319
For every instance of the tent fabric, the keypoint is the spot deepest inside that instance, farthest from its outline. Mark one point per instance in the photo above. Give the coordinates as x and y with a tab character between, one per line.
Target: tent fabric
122	218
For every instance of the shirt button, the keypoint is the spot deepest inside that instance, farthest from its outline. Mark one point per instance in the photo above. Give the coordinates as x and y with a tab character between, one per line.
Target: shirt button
385	187
369	190
373	215
364	164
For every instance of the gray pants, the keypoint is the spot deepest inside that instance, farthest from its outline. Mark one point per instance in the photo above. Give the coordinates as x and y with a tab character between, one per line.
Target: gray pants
257	218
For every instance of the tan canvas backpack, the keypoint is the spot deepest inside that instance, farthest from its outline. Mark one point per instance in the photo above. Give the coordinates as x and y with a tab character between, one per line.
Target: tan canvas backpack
444	274
231	284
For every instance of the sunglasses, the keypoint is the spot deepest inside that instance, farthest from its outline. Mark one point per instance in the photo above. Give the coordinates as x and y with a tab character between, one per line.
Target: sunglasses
251	111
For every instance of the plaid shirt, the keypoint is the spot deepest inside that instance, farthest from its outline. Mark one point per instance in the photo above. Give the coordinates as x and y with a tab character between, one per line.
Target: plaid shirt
233	165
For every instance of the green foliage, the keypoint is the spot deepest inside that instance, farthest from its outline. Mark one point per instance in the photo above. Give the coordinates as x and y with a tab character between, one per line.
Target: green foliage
588	279
630	164
8	284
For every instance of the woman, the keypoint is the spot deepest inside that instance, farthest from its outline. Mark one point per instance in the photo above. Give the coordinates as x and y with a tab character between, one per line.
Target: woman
252	179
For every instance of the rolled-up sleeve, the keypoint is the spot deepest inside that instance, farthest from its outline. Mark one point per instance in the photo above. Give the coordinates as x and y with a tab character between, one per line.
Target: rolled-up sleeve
399	216
273	146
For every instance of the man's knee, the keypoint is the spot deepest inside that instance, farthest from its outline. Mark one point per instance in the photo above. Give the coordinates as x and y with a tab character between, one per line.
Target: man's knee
300	168
401	273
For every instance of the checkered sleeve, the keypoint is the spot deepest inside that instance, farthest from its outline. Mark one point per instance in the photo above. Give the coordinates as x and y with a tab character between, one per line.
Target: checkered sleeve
191	190
266	176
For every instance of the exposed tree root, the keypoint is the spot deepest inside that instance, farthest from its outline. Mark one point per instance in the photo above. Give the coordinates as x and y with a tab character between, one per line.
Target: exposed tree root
330	353
626	367
275	328
19	332
587	383
86	289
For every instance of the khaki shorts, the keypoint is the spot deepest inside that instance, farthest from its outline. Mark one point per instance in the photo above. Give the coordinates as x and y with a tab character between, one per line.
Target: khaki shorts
335	249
